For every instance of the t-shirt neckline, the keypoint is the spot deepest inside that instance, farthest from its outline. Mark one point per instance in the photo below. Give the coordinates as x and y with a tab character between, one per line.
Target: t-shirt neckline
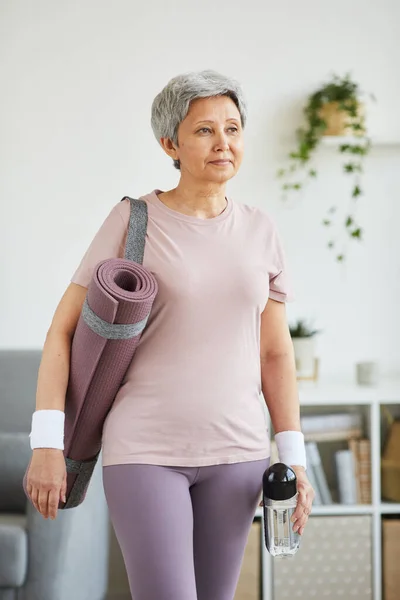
188	218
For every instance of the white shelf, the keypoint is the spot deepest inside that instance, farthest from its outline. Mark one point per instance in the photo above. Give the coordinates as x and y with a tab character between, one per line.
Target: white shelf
385	508
336	141
342	509
390	508
343	393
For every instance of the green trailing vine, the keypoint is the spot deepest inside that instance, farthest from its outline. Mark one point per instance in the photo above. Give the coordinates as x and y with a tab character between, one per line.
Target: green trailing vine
346	94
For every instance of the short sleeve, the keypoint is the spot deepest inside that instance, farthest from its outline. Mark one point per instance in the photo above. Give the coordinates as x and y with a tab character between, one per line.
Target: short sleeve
280	286
109	242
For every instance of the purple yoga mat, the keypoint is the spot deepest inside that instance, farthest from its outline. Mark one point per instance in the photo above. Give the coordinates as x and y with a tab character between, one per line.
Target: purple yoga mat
120	295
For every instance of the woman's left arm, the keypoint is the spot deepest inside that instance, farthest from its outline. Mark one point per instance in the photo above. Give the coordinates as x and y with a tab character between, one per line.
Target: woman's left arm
279	388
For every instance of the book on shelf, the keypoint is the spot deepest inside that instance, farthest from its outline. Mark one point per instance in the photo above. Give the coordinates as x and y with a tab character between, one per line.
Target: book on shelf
353	471
353	447
364	470
346	479
315	464
313	480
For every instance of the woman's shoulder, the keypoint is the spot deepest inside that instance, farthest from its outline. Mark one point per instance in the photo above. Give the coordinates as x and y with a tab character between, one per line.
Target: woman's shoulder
256	214
123	208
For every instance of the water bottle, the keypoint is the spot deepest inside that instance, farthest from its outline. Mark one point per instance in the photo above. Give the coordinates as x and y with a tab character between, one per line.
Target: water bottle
279	503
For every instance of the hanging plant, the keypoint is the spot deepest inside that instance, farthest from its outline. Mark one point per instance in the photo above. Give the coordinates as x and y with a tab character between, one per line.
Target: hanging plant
333	110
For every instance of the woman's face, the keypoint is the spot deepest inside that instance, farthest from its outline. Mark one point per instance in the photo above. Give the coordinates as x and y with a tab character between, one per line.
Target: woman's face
211	131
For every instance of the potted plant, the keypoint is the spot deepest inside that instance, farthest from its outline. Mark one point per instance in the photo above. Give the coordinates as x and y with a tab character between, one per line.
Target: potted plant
303	338
335	109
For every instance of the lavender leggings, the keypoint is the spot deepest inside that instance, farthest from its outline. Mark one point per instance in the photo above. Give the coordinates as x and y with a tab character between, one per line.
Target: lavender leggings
183	530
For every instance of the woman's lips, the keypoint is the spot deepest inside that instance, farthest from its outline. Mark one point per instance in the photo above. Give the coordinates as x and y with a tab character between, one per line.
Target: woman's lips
220	162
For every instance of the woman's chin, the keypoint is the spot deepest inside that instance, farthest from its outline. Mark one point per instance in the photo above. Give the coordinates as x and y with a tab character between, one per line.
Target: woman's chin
221	176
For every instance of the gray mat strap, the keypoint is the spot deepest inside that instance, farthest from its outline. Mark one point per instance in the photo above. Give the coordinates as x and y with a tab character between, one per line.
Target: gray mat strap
111	331
136	236
84	470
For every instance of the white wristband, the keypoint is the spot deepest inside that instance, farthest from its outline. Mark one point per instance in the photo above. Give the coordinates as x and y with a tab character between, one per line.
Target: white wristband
47	429
291	448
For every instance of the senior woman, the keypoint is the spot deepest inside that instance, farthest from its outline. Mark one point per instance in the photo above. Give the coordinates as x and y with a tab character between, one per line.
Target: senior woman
185	444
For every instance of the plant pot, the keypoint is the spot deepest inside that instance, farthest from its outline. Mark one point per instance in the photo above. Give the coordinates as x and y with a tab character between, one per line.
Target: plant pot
338	121
304	353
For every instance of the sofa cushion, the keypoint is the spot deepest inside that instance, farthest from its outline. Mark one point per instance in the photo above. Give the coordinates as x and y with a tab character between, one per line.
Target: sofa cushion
18	383
15	454
13	550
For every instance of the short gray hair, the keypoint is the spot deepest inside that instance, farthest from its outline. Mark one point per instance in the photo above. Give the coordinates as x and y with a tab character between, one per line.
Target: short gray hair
171	105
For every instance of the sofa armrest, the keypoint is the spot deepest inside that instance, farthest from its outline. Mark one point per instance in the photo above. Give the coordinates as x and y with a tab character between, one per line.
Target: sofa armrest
68	557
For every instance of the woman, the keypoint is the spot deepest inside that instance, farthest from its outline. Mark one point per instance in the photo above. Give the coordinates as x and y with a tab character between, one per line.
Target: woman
185	444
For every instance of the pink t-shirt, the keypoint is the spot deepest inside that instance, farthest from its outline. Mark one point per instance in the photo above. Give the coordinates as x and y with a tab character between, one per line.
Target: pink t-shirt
192	394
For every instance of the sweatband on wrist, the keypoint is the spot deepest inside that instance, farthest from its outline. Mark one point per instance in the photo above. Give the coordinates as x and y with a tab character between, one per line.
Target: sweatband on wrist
47	429
291	448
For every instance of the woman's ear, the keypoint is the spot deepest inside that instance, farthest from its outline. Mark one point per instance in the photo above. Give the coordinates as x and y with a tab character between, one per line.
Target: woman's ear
169	148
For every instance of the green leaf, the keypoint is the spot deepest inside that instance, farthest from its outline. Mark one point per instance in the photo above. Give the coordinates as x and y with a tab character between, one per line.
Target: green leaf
356	191
281	172
356	233
297	186
340	258
326	222
312	173
349	221
331	244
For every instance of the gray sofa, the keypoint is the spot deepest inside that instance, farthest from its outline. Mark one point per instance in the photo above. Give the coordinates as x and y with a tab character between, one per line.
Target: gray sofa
43	559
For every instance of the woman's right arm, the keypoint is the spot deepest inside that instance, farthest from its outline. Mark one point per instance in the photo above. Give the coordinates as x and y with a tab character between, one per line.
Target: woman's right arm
54	367
46	478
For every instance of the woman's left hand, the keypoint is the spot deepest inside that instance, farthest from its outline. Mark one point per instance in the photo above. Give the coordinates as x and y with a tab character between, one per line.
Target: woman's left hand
305	499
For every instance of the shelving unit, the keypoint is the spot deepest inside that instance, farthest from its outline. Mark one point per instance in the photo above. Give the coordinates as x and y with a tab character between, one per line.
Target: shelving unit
326	397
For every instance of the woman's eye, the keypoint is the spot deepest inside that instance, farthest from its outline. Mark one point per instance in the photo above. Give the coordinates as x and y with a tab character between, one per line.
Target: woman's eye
208	129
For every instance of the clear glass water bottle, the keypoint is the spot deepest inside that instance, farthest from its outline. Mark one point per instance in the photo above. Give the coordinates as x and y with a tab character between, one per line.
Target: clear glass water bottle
279	503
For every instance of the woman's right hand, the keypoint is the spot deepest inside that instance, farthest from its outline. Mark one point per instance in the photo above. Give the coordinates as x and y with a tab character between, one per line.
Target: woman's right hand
46	482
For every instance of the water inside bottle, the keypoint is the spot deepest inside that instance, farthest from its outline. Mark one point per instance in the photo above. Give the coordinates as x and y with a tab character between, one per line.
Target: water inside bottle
284	542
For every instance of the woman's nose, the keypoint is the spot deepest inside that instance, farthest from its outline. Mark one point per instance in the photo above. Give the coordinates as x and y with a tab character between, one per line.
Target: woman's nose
222	141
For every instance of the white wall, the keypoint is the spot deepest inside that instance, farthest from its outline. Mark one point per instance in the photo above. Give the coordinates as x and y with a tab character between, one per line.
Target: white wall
78	79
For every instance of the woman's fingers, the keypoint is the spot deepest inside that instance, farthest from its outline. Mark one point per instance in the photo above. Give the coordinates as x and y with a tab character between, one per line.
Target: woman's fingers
300	514
301	504
63	490
43	500
300	523
35	497
303	508
54	498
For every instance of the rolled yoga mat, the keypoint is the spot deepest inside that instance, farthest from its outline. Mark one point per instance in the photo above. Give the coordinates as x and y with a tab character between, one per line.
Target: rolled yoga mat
115	312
